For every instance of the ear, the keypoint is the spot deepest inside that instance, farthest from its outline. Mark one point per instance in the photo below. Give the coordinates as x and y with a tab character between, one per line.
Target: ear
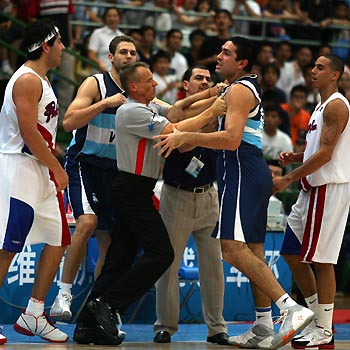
110	57
45	46
242	63
185	85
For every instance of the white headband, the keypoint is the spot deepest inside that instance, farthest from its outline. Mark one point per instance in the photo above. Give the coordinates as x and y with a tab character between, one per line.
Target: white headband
39	43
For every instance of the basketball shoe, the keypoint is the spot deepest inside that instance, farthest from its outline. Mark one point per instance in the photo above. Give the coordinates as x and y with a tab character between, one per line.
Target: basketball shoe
3	339
320	338
61	307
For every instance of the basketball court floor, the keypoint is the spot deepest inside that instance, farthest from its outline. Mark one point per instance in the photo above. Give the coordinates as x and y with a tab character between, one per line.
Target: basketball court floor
140	337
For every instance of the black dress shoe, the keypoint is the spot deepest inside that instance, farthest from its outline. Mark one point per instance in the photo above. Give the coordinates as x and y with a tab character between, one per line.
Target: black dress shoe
104	315
95	334
220	338
162	337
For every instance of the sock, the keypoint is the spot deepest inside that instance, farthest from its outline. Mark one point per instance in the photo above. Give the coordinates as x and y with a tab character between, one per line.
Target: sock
264	316
285	301
312	303
35	307
65	288
325	316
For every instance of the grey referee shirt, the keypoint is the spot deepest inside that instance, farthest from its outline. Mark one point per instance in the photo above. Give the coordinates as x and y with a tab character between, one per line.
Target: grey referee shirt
136	124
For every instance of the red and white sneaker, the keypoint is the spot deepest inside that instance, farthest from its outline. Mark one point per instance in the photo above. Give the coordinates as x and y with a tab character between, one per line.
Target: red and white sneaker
320	338
30	325
3	339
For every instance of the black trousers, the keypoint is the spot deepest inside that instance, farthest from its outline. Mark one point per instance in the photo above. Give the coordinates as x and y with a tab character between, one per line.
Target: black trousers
123	279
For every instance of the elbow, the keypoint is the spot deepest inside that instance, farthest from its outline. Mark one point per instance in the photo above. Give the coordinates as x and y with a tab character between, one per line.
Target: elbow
67	126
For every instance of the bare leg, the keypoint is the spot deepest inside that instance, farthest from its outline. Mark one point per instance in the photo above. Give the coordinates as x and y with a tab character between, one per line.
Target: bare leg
46	270
85	226
303	275
240	256
326	283
104	241
260	299
5	262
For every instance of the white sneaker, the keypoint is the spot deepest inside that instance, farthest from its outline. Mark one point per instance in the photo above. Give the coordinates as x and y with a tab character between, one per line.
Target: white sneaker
30	325
294	319
61	307
320	338
258	336
3	339
309	329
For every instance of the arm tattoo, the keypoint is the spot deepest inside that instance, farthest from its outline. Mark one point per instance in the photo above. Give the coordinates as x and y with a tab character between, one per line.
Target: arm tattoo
331	123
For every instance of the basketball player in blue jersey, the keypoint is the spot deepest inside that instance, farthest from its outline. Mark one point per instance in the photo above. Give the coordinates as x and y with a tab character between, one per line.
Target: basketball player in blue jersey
91	164
245	186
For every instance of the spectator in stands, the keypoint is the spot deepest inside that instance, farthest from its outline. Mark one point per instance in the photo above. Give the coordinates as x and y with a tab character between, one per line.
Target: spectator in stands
166	90
274	140
271	97
186	19
323	49
344	84
173	44
101	37
312	12
162	22
146	49
269	76
303	57
299	116
312	95
5	24
136	35
197	37
341	36
206	6
249	8
59	13
278	9
283	55
265	54
211	47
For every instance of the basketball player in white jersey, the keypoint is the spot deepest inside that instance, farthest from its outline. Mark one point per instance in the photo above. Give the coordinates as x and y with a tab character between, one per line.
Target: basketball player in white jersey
31	178
317	221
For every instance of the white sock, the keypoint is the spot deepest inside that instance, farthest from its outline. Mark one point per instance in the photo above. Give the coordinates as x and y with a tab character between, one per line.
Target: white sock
325	316
264	316
65	288
285	301
312	303
35	307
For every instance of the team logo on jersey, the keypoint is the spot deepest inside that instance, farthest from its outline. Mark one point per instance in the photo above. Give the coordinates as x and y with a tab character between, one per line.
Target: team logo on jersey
51	111
312	126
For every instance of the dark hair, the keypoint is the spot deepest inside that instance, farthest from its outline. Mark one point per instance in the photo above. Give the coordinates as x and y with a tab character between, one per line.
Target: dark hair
270	65
188	73
273	108
105	12
170	32
129	73
224	11
246	50
36	33
307	67
336	63
197	32
158	55
146	28
298	88
119	39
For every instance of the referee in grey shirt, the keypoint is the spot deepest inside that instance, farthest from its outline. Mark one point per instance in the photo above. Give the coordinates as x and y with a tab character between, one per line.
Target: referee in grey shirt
139	224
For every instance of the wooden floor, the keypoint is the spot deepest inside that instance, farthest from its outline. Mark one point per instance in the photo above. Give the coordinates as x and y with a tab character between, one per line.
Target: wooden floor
140	346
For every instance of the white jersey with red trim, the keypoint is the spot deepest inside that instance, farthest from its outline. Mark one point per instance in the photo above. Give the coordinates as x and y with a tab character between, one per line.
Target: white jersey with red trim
11	140
337	170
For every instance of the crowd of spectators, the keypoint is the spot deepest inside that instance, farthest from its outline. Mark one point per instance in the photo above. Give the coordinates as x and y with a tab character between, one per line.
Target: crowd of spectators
190	32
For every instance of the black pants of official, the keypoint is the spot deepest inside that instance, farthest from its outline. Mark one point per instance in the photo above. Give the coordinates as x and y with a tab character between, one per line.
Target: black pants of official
139	225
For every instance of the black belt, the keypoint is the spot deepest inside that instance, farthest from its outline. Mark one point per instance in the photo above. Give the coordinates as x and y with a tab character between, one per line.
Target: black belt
200	189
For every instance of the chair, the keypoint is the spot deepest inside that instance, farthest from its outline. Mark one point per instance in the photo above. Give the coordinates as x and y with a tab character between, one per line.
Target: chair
188	275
